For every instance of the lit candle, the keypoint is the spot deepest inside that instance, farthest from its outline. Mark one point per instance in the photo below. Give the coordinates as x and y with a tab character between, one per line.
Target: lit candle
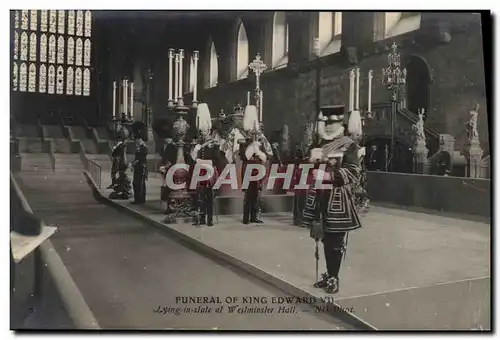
170	73
248	97
114	99
181	71
125	96
131	99
195	70
357	90
351	90
370	77
176	93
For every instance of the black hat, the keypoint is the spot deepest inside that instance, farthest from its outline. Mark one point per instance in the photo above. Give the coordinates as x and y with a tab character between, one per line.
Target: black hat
139	130
333	113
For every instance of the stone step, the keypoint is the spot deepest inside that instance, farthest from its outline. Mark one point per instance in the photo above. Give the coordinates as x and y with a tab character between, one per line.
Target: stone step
27	131
31	145
89	146
52	131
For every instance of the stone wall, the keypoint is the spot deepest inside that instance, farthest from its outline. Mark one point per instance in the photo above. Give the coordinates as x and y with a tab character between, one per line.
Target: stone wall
447	194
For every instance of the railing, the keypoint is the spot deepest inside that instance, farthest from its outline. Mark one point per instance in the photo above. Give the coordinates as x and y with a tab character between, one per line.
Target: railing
95	172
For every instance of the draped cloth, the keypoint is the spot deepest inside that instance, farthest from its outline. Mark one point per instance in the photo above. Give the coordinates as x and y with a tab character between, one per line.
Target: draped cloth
336	205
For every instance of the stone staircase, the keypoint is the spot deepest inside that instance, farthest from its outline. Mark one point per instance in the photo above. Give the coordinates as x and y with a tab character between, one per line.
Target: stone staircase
31	145
68	163
36	162
89	146
52	132
27	131
61	145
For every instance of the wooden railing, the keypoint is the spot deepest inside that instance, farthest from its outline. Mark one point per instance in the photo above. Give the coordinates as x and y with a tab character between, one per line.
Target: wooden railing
95	171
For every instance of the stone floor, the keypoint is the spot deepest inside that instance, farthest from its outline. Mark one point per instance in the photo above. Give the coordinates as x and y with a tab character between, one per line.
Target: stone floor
397	250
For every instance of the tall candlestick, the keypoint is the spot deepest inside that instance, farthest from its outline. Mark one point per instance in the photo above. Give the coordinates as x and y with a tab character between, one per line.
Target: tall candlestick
370	77
248	98
170	73
181	72
176	76
125	96
357	90
195	89
131	99
114	99
261	97
351	90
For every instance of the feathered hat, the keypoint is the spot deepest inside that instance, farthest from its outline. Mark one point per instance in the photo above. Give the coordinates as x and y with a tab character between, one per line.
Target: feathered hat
139	130
251	118
203	119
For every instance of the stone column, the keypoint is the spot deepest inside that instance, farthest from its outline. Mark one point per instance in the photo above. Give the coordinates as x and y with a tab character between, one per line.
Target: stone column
473	154
421	151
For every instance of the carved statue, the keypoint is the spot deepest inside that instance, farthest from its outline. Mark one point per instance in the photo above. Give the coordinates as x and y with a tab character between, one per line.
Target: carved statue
418	127
471	126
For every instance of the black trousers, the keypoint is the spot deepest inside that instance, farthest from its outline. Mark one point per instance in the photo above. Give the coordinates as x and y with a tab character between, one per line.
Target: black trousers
139	183
251	202
206	203
334	246
299	201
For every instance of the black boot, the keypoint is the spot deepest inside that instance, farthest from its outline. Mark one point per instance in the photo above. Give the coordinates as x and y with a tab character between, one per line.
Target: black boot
202	220
332	285
323	282
256	220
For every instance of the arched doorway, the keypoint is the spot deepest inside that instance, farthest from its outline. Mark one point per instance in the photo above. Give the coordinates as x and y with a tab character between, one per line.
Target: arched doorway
403	161
418	85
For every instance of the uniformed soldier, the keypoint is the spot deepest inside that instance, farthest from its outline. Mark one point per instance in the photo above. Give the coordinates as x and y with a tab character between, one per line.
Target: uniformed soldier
140	164
331	213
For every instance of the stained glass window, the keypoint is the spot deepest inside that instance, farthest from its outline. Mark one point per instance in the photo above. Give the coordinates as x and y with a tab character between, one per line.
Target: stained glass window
79	23
52	78
71	51
16	19
79	50
23	77
86	53
69	80
24	46
60	50
24	20
60	80
32	47
52	49
78	82
71	22
86	82
60	23
52	21
42	83
43	20
88	23
14	77
33	19
16	45
43	48
32	78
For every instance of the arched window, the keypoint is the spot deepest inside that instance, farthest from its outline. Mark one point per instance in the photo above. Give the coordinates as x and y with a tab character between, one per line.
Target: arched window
42	82
71	22
43	48
71	51
86	82
23	77
52	21
78	82
16	45
60	80
24	46
60	50
242	53
86	53
52	49
329	32
16	19
52	79
33	47
43	20
212	75
391	24
69	81
14	76
79	52
32	78
24	19
33	19
88	23
60	24
280	40
79	23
